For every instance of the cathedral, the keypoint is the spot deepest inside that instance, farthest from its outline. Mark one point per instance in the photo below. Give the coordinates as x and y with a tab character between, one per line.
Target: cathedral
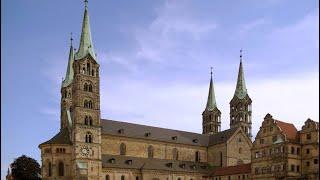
92	148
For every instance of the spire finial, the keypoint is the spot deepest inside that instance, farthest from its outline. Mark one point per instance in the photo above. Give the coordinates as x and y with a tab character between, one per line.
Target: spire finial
71	39
85	3
211	68
241	55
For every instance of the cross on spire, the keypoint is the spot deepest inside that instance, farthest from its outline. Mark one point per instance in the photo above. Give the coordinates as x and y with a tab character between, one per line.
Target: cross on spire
71	39
85	3
211	68
240	54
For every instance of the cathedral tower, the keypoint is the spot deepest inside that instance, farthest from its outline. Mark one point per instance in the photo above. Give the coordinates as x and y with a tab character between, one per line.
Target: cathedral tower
240	105
85	110
66	93
211	116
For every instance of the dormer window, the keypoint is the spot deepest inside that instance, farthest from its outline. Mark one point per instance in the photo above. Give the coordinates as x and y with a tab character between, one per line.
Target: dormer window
147	134
174	138
195	140
193	166
182	165
169	165
121	131
112	160
129	161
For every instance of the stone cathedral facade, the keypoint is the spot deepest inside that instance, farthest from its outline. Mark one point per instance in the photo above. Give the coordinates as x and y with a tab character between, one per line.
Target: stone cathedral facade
91	148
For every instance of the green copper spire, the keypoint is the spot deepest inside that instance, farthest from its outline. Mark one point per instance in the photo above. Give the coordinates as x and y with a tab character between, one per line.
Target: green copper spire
86	46
69	74
211	102
241	90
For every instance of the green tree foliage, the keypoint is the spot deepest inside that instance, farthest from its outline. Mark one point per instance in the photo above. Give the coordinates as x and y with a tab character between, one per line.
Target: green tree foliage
25	168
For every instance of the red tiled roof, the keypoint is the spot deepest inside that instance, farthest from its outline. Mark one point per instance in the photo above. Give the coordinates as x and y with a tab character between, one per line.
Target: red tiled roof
288	129
230	170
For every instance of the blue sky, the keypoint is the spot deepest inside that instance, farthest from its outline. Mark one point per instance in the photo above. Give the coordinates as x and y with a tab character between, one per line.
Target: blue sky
155	58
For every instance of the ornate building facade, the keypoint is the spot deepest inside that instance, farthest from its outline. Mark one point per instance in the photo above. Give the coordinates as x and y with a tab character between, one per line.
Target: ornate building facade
280	151
91	148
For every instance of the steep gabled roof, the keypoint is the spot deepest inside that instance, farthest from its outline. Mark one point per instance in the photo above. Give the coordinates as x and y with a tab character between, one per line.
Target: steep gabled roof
118	128
62	137
289	130
125	129
221	137
231	170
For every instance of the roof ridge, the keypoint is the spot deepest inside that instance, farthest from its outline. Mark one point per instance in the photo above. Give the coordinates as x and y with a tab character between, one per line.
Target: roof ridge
286	123
153	126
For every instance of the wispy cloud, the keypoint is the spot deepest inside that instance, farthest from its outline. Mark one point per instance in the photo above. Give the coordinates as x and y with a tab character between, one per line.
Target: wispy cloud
288	99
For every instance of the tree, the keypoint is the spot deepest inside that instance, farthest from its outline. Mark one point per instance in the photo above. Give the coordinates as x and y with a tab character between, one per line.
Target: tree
25	168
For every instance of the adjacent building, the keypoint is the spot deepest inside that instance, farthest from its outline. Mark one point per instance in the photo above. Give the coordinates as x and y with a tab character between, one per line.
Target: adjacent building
280	151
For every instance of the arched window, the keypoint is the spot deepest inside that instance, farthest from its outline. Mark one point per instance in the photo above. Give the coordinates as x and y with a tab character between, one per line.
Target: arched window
122	149
90	120
88	104
88	68
88	137
107	177
61	169
175	154
86	120
92	72
150	152
240	150
122	177
64	93
49	169
221	159
90	88
85	87
197	156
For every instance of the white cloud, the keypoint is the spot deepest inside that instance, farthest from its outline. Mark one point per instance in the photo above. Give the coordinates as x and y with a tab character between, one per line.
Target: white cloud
180	106
176	27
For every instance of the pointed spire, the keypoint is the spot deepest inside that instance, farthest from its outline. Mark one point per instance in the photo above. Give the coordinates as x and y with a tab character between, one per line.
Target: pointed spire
211	102
86	45
69	74
241	90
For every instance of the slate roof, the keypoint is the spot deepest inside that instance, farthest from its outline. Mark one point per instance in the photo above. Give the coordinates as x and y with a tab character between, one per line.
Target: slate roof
221	137
232	170
289	130
118	128
61	138
153	164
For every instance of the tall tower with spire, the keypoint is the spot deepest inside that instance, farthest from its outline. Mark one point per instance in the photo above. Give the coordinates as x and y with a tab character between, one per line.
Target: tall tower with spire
240	105
85	109
211	116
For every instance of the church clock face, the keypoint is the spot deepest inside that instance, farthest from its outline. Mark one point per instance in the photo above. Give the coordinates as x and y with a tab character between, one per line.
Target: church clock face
84	151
